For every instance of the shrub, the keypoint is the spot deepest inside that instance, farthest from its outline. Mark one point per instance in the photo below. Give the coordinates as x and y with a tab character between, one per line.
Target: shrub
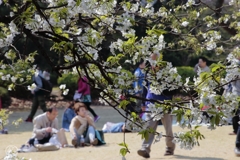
20	90
186	71
5	98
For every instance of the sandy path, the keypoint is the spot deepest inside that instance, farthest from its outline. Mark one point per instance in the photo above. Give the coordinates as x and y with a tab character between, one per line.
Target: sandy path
218	145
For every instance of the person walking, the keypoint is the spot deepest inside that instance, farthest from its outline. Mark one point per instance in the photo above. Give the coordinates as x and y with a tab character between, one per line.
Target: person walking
41	79
166	121
84	89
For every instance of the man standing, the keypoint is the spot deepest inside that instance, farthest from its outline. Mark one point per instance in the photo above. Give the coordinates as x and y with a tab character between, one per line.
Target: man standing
39	93
166	120
202	65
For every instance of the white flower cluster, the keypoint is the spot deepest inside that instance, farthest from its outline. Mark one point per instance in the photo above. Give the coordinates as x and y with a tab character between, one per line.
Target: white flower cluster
167	77
64	89
185	23
162	12
211	37
32	87
184	142
190	3
231	2
156	112
125	24
160	45
9	36
12	155
147	12
68	58
136	126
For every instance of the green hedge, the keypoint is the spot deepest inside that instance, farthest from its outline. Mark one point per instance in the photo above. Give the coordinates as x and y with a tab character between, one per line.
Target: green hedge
186	71
5	98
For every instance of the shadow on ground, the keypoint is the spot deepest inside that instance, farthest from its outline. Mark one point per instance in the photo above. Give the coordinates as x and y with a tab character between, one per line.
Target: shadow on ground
189	158
196	158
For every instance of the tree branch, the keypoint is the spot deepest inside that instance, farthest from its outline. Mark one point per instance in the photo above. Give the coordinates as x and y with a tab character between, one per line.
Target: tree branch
41	48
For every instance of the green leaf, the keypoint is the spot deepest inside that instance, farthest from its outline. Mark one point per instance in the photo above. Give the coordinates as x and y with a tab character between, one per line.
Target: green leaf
144	134
123	144
58	30
123	151
123	104
78	2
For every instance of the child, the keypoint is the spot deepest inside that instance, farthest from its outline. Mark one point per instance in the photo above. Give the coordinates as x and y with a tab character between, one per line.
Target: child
82	124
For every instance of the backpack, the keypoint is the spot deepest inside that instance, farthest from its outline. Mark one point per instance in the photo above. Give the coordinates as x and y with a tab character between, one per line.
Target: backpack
46	88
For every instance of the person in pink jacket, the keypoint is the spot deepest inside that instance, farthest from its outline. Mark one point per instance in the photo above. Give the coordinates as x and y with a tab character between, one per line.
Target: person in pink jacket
84	89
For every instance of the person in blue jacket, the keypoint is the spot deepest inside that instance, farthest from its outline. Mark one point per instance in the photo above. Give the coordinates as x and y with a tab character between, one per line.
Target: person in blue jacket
138	84
68	115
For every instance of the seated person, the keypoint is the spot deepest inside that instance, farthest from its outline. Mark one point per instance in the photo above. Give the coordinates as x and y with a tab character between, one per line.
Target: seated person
44	127
82	125
68	115
110	127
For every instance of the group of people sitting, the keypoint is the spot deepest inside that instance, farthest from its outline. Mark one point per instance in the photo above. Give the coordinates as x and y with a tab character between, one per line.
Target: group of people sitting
47	135
108	127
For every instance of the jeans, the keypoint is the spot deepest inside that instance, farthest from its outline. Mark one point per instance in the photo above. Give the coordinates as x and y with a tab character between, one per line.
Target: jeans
38	100
90	135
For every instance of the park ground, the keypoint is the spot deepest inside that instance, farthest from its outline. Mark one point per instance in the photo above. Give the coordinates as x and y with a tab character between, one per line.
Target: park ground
217	145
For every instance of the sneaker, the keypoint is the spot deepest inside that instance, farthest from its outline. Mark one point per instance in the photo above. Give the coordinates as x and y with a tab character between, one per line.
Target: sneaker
21	149
28	120
95	142
27	148
143	153
168	153
96	118
74	143
237	151
232	133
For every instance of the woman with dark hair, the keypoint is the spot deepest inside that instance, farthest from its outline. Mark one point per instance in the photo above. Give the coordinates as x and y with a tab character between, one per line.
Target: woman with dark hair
68	115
